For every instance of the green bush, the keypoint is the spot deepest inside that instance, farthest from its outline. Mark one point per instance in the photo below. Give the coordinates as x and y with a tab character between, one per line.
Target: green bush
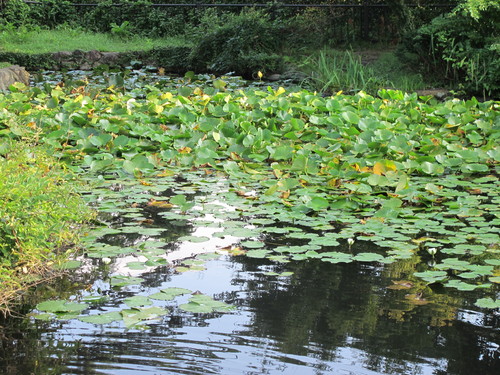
15	13
51	13
464	51
29	61
246	44
173	59
39	207
41	216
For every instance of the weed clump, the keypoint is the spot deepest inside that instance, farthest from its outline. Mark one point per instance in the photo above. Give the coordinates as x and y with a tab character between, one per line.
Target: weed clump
41	212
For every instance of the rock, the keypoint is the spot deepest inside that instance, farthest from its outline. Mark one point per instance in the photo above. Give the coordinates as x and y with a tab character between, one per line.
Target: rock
274	77
294	76
62	56
13	74
85	60
93	55
109	58
437	93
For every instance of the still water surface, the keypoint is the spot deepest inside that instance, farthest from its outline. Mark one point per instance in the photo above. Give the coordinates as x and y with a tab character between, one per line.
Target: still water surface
325	319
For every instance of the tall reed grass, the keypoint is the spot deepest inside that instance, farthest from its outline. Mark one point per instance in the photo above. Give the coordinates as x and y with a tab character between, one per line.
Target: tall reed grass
331	71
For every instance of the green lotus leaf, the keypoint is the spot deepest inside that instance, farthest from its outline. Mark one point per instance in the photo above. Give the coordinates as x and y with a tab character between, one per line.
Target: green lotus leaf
432	276
119	281
104	318
368	257
488	303
196	308
136	265
257	253
132	317
61	306
136	301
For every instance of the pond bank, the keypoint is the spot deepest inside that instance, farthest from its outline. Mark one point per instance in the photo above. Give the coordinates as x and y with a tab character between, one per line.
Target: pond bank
41	219
173	59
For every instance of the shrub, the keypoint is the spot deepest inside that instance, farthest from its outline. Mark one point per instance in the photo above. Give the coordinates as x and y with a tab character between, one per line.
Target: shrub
40	205
460	48
39	215
245	45
15	13
51	13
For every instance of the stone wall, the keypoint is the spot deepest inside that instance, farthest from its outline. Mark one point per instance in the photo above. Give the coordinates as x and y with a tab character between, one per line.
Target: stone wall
87	60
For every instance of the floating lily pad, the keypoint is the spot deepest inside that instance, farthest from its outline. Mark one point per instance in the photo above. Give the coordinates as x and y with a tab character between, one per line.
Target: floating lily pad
460	285
208	256
201	303
95	299
136	265
132	317
104	318
119	281
495	279
252	244
282	274
194	239
182	269
432	276
169	293
43	316
488	303
257	253
61	306
368	257
336	257
196	308
136	301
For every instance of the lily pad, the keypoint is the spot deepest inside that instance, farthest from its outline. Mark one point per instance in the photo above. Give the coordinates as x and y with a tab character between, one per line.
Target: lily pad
201	303
132	317
104	318
118	281
257	253
61	306
369	257
194	239
136	301
432	276
488	303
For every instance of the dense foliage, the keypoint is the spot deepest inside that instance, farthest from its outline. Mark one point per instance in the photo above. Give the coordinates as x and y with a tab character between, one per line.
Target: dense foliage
246	44
457	50
461	48
39	215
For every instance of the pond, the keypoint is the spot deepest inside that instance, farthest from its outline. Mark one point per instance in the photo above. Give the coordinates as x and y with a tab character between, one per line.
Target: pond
297	317
266	231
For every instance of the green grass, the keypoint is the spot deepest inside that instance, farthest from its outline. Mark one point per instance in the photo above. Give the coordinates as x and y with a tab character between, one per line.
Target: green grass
40	213
333	70
34	41
389	67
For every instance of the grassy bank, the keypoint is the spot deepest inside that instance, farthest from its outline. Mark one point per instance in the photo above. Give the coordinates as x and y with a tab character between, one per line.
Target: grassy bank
40	218
327	70
24	40
36	41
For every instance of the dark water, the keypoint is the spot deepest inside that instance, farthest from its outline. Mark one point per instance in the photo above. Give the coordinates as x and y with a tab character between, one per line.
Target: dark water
324	319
